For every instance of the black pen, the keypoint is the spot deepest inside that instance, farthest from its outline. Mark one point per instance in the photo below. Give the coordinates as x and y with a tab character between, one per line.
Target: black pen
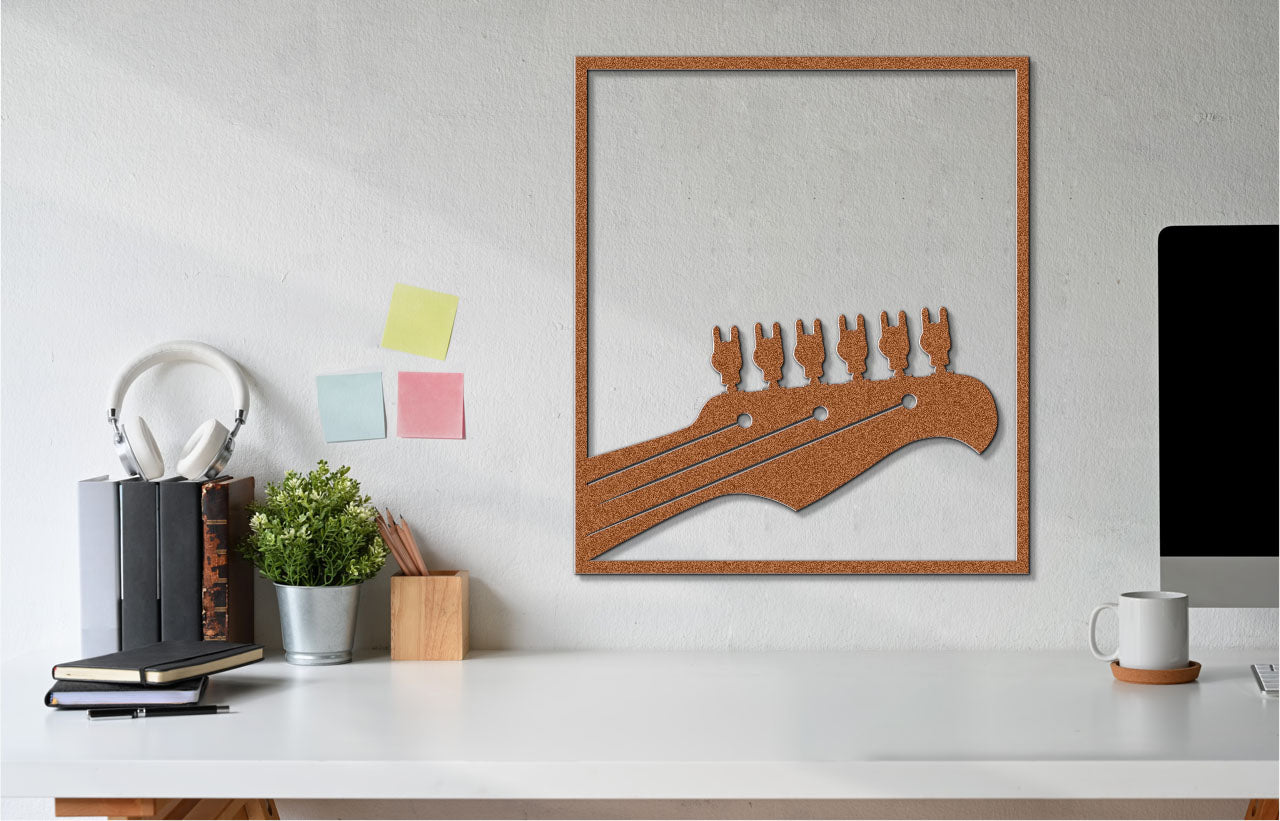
145	712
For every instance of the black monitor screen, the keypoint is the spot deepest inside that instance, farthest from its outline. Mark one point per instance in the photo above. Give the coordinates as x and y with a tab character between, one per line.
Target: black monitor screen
1218	389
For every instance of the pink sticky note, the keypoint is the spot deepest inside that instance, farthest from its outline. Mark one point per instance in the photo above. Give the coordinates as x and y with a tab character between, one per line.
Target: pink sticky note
429	406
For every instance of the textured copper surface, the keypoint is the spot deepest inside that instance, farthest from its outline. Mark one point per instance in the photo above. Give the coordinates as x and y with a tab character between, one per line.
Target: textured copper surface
792	445
803	458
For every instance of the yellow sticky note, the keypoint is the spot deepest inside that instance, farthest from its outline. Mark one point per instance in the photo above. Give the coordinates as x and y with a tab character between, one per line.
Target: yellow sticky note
420	321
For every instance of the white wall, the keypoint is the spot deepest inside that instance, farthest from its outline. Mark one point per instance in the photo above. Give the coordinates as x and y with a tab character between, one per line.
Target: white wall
258	175
730	198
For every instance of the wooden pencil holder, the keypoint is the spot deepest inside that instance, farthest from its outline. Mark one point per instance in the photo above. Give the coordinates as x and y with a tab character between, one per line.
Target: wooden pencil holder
430	618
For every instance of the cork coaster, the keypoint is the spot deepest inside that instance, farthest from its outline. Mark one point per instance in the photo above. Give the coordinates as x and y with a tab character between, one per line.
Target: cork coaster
1179	676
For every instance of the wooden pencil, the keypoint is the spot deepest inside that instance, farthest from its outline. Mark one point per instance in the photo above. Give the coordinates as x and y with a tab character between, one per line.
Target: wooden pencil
411	547
406	567
391	536
412	544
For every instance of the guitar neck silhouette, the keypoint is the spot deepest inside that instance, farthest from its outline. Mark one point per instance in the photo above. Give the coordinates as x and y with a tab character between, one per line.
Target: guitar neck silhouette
793	445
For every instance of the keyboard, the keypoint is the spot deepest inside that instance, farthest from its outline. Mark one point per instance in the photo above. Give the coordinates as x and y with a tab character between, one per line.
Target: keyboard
1268	677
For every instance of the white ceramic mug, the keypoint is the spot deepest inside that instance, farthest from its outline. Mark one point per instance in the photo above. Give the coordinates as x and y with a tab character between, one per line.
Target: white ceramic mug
1153	631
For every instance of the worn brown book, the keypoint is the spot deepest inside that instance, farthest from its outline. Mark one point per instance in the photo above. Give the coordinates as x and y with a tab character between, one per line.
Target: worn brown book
227	584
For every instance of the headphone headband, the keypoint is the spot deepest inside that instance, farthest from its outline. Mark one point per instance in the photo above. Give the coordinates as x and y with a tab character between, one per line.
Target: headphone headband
181	351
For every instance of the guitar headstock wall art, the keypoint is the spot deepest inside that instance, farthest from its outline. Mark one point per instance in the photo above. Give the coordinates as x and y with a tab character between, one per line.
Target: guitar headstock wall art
810	430
793	445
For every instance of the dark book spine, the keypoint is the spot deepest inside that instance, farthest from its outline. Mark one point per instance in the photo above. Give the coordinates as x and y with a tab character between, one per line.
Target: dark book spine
240	572
214	501
228	576
139	565
181	548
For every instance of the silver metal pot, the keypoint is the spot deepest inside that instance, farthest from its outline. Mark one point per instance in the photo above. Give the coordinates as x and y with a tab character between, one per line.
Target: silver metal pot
318	624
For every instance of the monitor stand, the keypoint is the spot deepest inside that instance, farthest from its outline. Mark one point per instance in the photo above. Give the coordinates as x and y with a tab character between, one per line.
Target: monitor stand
1222	581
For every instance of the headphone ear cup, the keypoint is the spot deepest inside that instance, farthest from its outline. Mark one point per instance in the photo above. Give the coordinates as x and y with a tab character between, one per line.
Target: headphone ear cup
145	450
202	449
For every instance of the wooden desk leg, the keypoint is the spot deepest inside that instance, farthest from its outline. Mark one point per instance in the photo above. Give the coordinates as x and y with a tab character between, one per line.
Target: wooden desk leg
1260	808
261	808
110	807
147	809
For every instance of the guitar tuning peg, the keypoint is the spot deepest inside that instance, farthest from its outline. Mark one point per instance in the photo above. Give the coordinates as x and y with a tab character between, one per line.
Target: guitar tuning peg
726	357
810	351
769	356
895	343
935	339
852	346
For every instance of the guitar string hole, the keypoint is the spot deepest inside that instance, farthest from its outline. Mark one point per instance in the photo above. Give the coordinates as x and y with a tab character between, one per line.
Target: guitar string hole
744	420
820	413
909	401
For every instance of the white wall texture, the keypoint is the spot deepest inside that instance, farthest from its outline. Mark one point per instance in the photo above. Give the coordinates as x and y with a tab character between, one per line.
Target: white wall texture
259	175
727	198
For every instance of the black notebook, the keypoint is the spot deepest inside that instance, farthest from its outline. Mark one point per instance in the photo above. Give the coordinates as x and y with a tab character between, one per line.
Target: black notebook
161	663
81	695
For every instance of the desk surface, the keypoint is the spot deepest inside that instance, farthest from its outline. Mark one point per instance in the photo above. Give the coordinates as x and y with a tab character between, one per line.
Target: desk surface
667	725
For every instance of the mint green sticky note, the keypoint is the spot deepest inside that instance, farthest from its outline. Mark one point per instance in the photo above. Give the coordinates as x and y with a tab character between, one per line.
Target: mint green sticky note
351	406
420	321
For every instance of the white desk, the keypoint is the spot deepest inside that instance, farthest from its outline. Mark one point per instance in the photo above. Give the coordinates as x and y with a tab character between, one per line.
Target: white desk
667	725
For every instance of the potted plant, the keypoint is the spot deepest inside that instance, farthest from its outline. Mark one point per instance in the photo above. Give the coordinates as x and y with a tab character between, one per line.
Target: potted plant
316	538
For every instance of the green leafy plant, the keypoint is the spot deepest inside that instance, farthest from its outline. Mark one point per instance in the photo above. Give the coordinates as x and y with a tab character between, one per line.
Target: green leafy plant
315	531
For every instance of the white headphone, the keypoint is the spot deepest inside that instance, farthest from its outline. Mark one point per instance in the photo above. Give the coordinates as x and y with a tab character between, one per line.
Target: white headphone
209	448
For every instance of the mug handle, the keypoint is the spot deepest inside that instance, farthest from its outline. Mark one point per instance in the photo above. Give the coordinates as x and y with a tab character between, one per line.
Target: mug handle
1093	633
